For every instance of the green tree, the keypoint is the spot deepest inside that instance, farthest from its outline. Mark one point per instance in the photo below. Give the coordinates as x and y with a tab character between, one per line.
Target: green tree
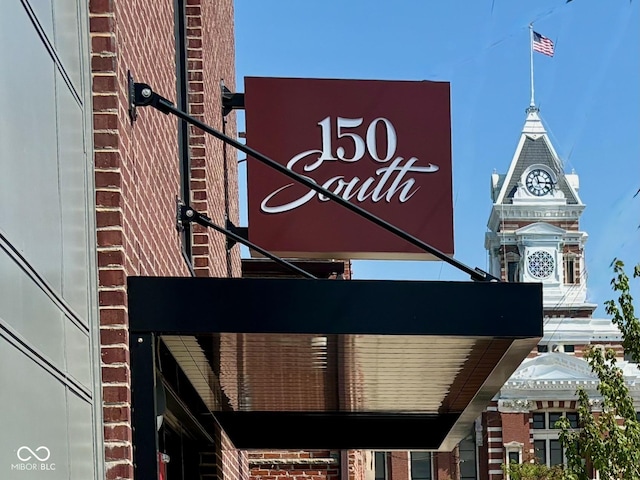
533	470
609	440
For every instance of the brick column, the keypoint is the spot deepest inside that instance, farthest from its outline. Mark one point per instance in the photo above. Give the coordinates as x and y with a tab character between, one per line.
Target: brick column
399	465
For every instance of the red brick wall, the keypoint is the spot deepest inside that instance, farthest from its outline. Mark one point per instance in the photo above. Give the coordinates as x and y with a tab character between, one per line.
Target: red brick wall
231	463
398	465
294	465
137	179
516	428
213	165
445	465
514	225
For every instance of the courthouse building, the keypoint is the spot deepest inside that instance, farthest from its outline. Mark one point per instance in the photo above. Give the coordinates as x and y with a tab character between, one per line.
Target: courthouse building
535	236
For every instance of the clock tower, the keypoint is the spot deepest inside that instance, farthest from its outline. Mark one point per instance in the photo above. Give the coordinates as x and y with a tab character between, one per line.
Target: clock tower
534	235
534	227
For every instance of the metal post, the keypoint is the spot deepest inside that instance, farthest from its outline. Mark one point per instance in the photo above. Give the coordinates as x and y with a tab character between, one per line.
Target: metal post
533	101
143	406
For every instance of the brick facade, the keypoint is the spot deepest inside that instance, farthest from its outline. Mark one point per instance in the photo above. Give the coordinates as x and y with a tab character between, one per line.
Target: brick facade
214	172
399	465
516	428
138	178
446	465
295	465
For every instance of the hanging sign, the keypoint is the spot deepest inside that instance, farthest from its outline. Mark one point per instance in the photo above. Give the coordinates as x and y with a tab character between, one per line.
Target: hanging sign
382	145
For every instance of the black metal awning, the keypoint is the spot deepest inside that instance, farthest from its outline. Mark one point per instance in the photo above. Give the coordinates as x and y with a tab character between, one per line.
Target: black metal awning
306	364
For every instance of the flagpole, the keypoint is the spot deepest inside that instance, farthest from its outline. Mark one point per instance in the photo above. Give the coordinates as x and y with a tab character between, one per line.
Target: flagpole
533	103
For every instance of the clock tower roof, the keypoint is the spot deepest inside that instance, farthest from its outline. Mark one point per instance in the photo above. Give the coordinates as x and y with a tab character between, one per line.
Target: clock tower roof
534	150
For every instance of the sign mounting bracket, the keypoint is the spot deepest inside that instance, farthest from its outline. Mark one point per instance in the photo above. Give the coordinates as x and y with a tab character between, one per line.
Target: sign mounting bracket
231	101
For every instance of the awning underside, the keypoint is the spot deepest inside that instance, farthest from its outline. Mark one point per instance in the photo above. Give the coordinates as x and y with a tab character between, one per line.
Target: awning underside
306	366
330	373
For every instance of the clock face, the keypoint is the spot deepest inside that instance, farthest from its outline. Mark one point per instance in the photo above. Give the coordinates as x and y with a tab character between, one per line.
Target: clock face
539	182
541	264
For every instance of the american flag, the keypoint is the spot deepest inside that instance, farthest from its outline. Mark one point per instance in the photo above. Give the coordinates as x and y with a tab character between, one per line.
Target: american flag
542	44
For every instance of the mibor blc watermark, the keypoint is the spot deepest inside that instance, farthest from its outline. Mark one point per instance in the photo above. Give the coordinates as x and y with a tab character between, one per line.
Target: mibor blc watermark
31	459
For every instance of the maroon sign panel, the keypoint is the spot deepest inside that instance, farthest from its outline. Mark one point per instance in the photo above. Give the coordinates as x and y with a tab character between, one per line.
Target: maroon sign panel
383	145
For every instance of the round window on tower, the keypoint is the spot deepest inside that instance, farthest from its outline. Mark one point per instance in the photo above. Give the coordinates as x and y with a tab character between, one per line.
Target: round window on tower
540	264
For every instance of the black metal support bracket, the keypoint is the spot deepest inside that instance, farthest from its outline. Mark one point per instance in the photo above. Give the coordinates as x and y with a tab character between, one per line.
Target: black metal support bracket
231	101
186	215
133	114
145	96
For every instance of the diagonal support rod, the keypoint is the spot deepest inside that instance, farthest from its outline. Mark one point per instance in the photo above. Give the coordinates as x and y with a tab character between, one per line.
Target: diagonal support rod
188	214
144	95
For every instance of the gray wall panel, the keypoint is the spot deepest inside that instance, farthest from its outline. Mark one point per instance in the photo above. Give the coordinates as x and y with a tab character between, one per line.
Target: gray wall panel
81	452
28	145
31	312
44	12
73	200
31	420
49	331
67	39
77	353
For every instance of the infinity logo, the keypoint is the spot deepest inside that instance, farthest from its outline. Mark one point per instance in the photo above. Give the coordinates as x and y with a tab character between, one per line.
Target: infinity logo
44	451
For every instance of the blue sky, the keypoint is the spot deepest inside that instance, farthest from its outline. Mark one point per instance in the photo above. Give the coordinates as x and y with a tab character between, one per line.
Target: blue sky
588	94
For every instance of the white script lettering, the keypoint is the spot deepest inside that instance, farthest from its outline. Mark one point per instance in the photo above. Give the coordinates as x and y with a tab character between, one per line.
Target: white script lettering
391	181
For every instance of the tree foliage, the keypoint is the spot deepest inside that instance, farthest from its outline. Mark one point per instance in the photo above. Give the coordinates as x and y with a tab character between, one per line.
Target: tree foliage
532	470
608	440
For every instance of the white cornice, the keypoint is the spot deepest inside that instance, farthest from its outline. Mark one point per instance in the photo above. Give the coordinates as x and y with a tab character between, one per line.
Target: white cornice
493	239
528	212
579	330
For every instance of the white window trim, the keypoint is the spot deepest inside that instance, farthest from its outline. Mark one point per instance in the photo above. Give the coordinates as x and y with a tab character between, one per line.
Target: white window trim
512	447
